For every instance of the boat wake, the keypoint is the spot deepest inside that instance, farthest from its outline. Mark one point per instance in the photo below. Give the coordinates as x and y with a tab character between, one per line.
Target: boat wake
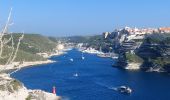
104	85
121	89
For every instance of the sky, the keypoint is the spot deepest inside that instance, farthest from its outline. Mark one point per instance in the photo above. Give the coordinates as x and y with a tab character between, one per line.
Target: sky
83	17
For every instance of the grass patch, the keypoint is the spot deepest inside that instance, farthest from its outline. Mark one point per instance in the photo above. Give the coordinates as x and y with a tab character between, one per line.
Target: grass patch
133	58
29	97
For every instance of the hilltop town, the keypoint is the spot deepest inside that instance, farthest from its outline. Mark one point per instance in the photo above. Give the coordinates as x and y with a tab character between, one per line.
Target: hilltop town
137	33
134	48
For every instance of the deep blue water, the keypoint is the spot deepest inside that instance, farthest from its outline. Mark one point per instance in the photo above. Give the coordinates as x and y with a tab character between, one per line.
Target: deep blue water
95	81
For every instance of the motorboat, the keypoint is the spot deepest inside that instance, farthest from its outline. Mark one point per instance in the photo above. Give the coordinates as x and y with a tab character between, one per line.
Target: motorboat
124	89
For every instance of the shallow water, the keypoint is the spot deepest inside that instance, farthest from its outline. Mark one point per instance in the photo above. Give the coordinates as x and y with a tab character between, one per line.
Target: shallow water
96	79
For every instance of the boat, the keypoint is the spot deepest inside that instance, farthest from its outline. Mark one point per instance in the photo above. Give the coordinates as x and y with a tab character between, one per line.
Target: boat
115	57
124	89
75	75
71	59
91	51
104	55
82	57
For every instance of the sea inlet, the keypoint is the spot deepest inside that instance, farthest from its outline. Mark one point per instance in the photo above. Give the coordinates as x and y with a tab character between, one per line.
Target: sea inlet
93	78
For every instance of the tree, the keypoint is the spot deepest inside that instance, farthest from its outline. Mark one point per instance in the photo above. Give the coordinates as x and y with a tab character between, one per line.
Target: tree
9	58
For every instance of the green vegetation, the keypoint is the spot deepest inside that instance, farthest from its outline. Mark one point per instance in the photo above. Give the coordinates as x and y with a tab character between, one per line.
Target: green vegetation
30	45
29	97
156	48
161	61
53	39
35	43
15	85
133	58
95	41
77	39
157	38
21	56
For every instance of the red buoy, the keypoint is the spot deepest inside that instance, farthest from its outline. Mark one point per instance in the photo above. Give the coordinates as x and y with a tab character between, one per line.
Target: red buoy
54	90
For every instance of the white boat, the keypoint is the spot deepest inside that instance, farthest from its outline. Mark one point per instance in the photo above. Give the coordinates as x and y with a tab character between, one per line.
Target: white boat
115	57
124	89
71	59
91	51
75	75
82	58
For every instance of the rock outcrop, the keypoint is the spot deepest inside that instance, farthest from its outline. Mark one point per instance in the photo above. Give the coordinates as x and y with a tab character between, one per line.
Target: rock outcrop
12	89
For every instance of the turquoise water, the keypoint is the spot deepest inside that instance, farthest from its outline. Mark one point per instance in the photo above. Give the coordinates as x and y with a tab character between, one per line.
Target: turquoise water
96	78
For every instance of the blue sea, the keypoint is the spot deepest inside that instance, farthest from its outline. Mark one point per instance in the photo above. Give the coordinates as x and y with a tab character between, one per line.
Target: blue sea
95	81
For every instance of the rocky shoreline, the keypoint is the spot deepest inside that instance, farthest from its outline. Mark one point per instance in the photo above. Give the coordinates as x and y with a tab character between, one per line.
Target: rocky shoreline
133	66
12	89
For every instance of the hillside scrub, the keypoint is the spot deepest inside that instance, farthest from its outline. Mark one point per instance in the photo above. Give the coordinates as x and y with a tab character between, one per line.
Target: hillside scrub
133	58
35	43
